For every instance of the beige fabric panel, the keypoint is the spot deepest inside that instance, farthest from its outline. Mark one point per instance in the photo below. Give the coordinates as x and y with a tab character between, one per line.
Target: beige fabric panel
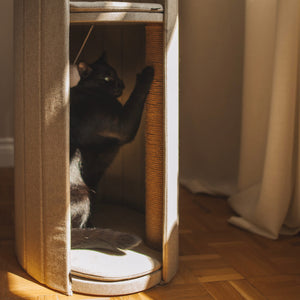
55	147
170	230
42	125
33	139
18	133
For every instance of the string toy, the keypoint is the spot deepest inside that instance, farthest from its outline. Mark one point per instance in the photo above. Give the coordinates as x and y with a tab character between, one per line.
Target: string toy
83	44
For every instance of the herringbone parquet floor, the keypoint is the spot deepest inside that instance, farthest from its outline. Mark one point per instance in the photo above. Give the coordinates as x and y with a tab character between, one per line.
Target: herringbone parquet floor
217	260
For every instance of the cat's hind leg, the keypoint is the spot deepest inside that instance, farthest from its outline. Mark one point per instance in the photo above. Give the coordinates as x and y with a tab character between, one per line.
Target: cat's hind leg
80	206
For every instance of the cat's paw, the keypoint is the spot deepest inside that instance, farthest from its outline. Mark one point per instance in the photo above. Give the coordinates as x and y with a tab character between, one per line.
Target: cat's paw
146	76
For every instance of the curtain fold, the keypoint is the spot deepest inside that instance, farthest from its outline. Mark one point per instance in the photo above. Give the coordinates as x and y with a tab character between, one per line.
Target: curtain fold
268	197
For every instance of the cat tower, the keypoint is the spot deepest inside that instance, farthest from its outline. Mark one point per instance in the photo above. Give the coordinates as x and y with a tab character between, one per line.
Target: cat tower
42	191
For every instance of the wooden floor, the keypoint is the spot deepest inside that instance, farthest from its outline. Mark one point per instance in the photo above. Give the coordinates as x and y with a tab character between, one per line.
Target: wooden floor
217	260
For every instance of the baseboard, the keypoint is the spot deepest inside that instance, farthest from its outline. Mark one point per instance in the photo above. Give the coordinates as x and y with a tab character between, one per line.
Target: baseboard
211	187
6	152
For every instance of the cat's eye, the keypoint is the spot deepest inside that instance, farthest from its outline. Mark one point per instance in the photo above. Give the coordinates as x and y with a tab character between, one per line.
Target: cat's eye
107	79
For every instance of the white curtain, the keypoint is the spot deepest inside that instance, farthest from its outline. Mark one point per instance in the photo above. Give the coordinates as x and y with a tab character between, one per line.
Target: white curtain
268	197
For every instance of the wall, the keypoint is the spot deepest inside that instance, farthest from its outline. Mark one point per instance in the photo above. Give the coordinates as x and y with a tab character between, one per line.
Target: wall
211	66
6	82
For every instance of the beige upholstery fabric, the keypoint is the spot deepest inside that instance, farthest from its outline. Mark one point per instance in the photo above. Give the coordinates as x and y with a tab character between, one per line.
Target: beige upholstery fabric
268	200
41	140
170	213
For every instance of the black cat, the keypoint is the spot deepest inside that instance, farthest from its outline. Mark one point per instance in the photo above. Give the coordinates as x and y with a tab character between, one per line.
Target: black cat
99	126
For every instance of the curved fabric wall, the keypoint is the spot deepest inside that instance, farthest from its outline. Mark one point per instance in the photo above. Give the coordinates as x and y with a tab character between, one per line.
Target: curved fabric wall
41	140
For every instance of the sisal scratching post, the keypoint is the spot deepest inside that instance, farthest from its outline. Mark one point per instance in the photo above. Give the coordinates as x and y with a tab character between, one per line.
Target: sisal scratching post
155	138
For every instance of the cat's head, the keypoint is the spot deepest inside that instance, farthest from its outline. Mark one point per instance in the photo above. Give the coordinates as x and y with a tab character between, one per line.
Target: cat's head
101	75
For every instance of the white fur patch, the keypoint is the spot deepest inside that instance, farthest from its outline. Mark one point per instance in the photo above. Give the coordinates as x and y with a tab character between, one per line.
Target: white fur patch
74	75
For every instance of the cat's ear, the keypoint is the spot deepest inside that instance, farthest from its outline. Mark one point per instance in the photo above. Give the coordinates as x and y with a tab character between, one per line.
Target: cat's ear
102	58
84	70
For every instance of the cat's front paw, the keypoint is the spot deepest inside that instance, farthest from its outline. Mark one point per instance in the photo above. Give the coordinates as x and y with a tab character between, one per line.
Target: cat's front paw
146	76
